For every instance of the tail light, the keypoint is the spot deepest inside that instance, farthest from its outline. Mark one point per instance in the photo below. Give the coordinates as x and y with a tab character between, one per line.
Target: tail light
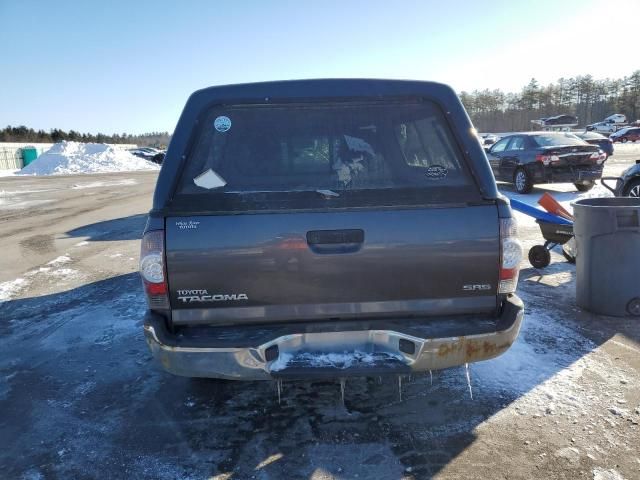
152	269
547	159
510	255
598	157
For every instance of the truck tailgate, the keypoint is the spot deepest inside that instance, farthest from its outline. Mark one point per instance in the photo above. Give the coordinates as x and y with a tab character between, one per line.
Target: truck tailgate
252	268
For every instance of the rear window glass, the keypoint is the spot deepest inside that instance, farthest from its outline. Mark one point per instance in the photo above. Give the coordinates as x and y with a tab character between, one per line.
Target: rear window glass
591	136
557	139
324	155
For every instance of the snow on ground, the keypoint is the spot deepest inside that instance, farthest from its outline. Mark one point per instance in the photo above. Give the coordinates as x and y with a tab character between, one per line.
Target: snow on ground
602	474
10	288
626	148
544	372
61	260
16	203
52	270
8	173
15	199
114	183
67	158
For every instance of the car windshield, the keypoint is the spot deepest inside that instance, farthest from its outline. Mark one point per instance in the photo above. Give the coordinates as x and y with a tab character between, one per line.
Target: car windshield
557	139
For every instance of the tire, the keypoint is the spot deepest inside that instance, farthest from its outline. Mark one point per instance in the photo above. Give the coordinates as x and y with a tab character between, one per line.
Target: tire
539	256
632	189
584	187
624	139
522	181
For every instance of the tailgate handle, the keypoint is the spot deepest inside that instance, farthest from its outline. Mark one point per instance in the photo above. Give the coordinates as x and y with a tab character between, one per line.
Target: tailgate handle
335	241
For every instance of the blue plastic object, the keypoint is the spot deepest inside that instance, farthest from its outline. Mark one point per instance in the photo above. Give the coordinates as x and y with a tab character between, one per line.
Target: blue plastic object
537	213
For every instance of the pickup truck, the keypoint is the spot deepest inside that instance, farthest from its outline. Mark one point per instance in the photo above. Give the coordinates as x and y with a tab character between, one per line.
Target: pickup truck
324	229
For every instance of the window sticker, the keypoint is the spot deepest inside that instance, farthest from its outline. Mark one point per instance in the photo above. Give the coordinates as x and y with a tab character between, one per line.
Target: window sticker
222	123
436	172
209	179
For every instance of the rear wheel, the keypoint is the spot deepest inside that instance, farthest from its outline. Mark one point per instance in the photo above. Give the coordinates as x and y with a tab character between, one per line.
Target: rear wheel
522	181
633	189
539	256
584	187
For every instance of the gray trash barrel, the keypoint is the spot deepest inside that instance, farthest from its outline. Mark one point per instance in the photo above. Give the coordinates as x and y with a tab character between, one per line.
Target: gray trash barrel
607	232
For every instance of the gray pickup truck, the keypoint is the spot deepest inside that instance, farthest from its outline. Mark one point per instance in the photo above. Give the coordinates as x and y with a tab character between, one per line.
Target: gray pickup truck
327	228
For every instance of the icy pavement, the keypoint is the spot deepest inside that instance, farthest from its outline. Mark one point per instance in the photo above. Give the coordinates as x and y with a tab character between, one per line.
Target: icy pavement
556	401
81	397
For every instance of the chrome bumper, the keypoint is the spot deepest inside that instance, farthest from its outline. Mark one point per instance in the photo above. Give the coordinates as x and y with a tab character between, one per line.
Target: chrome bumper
258	363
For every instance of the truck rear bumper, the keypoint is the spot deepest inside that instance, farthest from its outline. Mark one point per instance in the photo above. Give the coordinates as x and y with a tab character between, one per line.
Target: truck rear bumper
332	350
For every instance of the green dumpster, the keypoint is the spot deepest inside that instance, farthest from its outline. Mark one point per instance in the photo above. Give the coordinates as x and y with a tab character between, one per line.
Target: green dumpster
29	154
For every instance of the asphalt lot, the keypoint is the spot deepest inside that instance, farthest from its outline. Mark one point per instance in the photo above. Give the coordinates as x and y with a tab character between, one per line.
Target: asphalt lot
81	398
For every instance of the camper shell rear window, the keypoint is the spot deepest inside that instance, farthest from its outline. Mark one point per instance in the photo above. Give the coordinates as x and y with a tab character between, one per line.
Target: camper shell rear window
323	155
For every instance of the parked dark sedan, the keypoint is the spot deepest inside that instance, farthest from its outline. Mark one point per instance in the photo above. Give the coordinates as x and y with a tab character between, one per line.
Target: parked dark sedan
628	134
594	138
526	159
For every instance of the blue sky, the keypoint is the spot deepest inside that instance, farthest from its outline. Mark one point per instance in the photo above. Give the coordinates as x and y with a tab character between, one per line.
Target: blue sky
129	65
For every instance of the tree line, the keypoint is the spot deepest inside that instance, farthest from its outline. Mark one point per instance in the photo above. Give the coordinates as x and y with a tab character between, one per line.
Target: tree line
584	97
24	134
588	99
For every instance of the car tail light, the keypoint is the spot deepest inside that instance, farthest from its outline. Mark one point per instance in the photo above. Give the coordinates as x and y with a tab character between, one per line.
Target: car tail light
510	255
152	269
598	157
547	159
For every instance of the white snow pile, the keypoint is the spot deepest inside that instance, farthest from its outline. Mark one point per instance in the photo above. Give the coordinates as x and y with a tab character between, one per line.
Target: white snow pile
602	474
10	288
67	158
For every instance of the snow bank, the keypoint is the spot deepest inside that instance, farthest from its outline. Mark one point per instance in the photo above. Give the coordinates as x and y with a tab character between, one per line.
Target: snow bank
66	158
10	288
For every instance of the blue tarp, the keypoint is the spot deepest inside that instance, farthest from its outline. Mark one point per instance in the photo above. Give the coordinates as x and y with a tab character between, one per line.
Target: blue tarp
537	213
